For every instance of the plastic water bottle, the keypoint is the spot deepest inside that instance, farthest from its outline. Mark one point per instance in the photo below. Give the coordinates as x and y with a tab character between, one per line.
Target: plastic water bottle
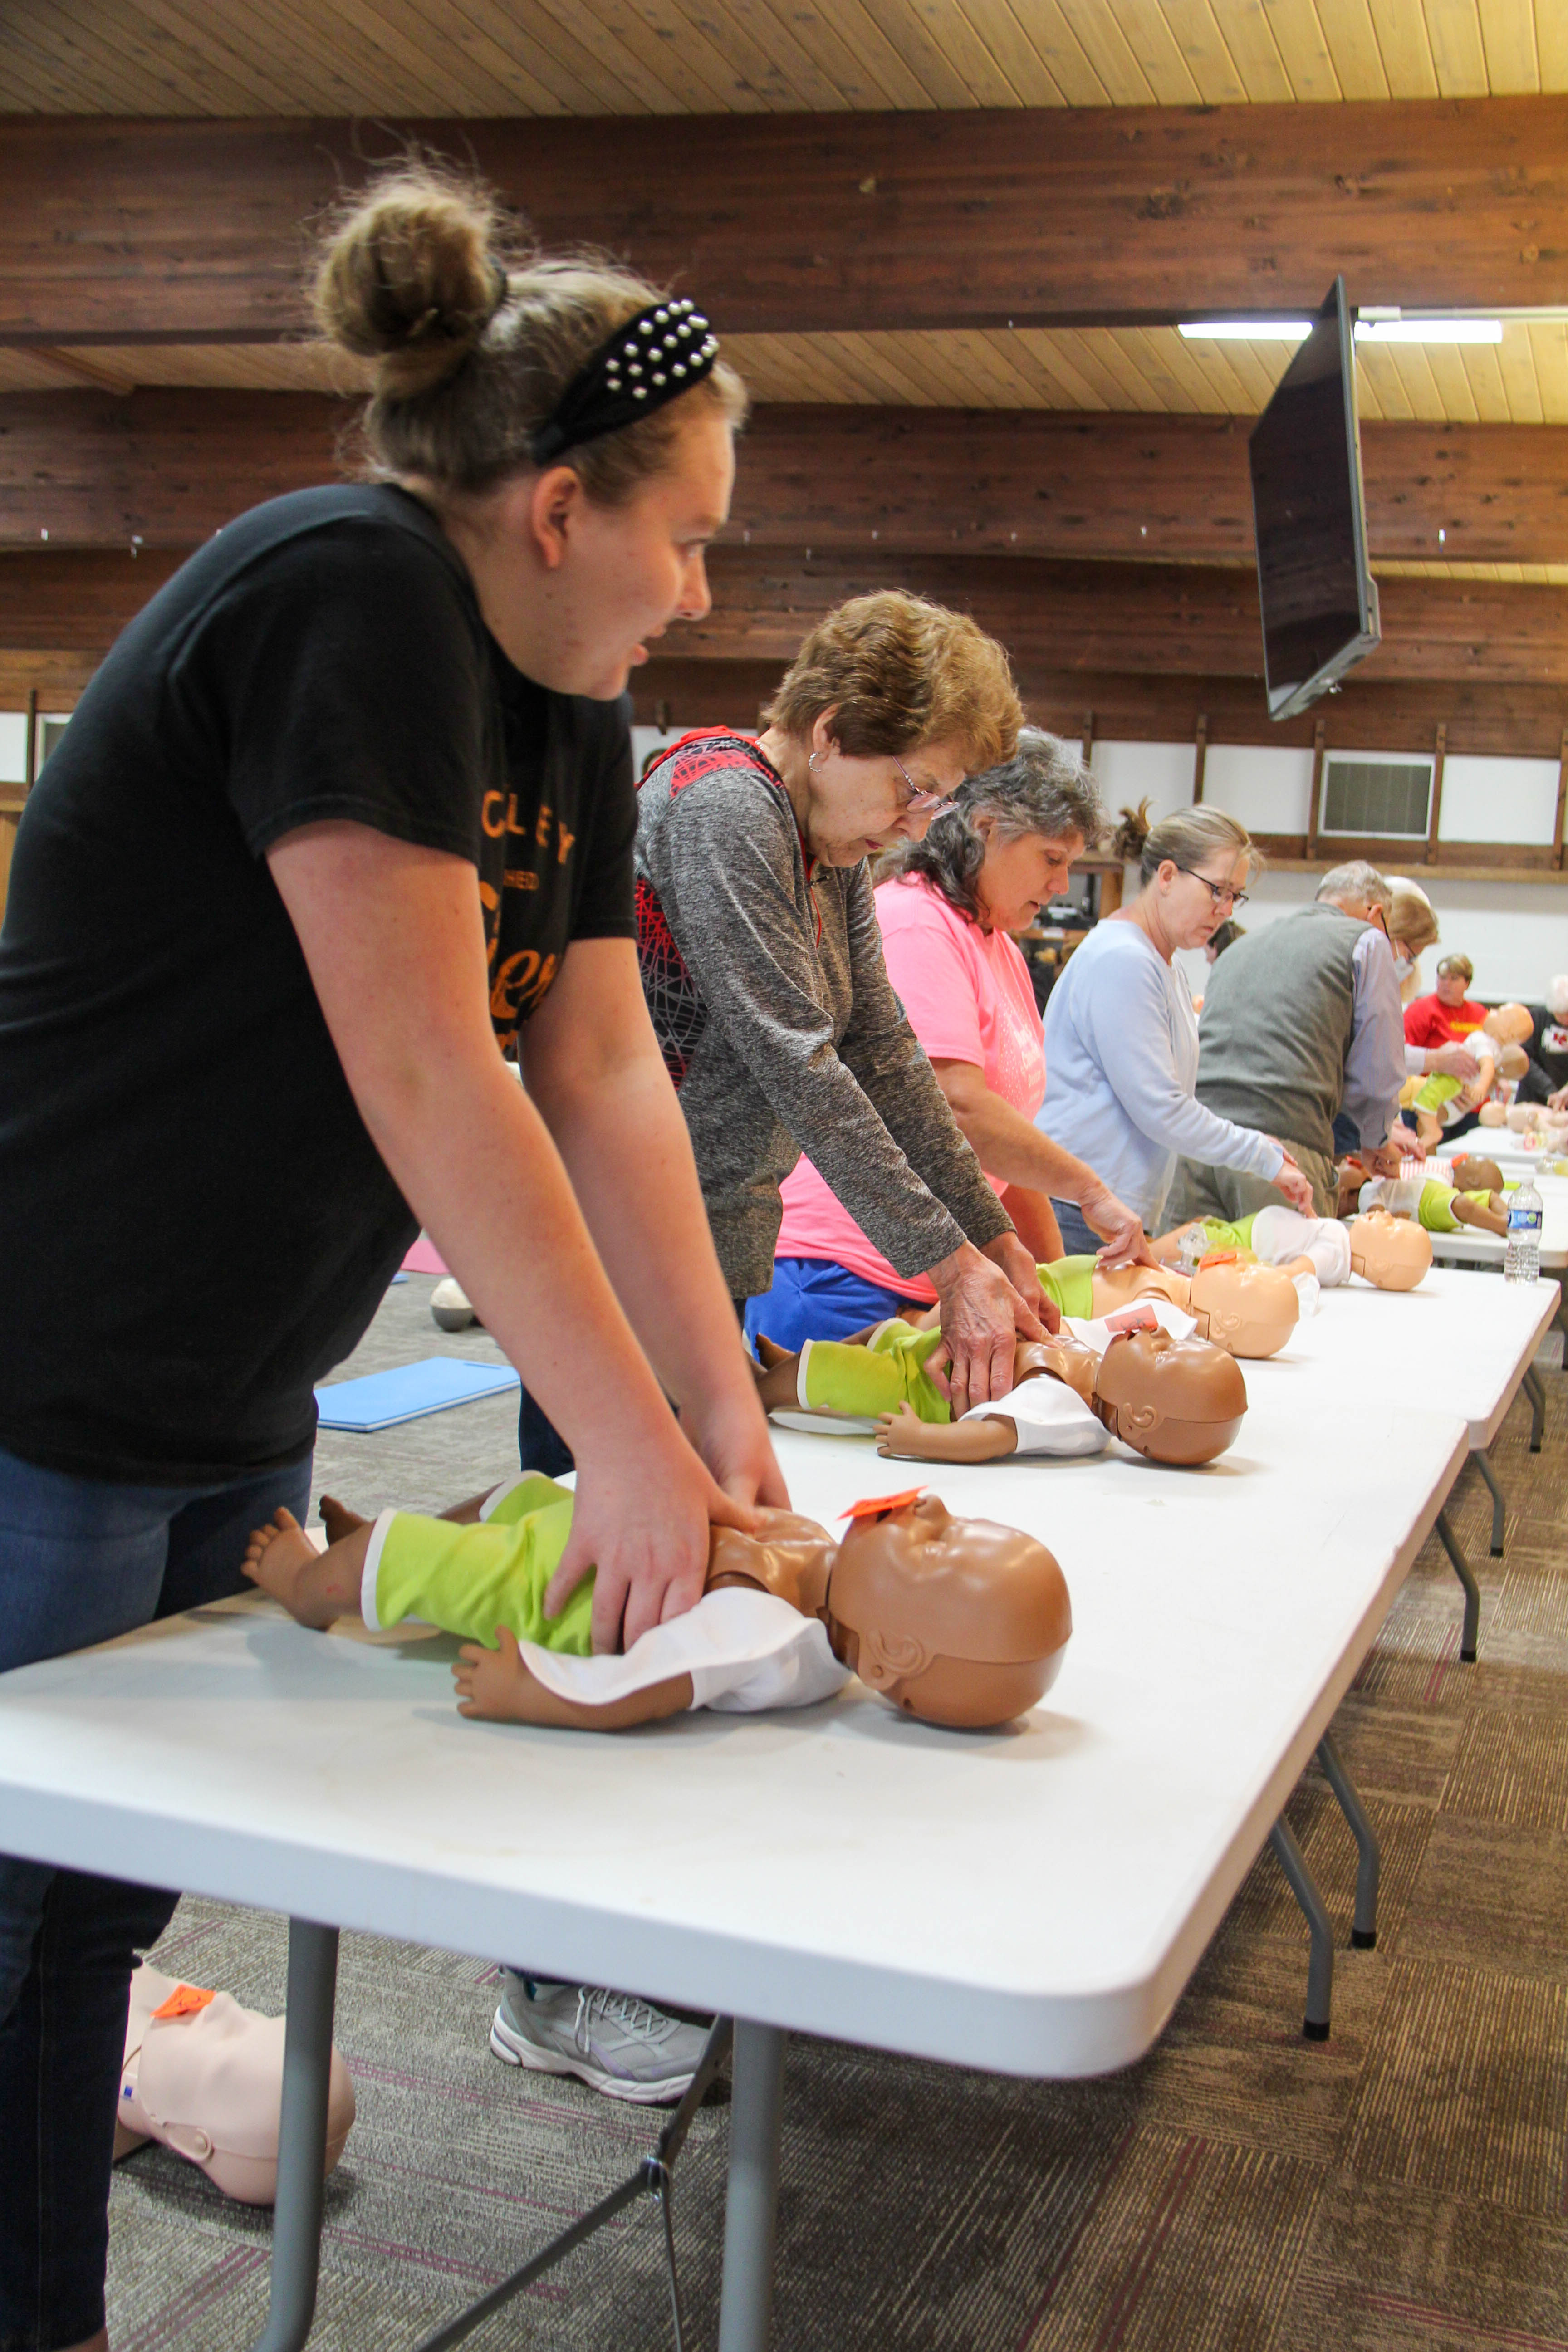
1522	1257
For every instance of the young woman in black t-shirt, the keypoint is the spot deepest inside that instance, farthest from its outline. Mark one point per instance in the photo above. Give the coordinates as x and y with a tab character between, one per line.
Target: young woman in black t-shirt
351	798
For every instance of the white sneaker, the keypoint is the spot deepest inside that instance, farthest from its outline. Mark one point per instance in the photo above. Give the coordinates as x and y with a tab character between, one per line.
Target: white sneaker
623	2046
450	1306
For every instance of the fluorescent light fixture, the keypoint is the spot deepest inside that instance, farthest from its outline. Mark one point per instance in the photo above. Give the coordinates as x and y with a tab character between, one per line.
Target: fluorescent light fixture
1247	330
1428	330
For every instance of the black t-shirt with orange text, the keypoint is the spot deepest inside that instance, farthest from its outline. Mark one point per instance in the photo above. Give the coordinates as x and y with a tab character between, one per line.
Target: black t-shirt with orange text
195	1224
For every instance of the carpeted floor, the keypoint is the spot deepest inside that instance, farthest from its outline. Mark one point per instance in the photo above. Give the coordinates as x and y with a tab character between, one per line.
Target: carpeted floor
1402	2187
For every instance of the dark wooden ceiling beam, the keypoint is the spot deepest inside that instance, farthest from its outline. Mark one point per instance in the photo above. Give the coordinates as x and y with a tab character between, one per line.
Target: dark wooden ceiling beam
113	230
170	467
1054	617
1519	721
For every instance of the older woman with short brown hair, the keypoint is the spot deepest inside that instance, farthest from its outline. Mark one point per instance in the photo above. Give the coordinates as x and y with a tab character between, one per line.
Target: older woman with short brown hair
762	966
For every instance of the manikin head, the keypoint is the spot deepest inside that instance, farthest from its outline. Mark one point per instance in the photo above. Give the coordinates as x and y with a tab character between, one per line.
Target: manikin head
1509	1025
1473	1174
789	1557
956	1621
1176	1401
1248	1309
1391	1253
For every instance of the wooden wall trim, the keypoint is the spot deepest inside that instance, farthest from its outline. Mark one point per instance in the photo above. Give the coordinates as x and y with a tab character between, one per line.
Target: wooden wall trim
170	466
115	229
1185	620
1434	806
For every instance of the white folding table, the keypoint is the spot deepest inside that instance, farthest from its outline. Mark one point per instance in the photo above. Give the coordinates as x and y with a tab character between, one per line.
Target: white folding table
1030	1902
1454	1344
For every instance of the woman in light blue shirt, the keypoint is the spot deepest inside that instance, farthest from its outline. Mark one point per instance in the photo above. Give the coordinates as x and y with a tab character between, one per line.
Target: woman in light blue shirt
1121	1037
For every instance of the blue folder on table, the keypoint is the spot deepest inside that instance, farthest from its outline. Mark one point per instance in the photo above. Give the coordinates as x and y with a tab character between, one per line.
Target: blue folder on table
381	1400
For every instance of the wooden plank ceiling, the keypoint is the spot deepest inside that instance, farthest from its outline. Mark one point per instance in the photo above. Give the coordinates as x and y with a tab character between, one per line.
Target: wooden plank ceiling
1523	380
674	56
844	258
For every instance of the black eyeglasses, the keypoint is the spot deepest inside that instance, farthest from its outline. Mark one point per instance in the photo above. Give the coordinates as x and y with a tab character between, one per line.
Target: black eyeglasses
1220	892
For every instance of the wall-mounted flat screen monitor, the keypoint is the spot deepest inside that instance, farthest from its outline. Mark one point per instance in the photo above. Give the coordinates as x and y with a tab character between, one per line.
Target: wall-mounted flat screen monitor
1318	599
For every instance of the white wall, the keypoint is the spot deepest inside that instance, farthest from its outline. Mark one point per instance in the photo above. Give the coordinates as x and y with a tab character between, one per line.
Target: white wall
1515	933
1265	787
1161	774
13	747
1498	800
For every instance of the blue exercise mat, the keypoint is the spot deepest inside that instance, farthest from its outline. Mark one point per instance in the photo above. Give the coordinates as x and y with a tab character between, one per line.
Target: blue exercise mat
381	1400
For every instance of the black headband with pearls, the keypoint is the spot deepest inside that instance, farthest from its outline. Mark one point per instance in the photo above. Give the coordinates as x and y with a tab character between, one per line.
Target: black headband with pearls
653	359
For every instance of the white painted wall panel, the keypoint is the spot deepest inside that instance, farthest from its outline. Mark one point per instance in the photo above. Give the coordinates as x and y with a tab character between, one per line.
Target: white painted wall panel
1268	787
1498	800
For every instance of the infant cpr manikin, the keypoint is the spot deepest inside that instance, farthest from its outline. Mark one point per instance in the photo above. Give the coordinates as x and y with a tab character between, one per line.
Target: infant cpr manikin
1245	1308
205	2077
955	1621
1392	1252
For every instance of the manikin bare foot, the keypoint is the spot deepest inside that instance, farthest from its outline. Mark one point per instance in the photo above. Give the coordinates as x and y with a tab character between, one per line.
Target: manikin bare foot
775	1374
495	1686
316	1588
338	1519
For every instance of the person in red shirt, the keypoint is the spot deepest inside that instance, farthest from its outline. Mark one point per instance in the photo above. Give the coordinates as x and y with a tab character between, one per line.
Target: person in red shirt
1444	1017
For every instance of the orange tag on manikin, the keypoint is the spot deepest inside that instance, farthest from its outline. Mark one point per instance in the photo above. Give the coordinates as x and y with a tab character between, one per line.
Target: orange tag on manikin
183	2002
876	1507
1140	1317
1217	1257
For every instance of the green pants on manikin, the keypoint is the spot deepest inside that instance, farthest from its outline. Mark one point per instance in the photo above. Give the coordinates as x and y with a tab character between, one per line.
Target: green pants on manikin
886	1370
869	1380
470	1580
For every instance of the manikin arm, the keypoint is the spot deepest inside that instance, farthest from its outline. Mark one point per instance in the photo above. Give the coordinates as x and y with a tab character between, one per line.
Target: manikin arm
903	1436
495	1686
1489	1216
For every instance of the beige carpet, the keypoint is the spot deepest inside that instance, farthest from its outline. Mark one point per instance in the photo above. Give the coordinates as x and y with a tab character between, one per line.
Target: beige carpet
1402	2187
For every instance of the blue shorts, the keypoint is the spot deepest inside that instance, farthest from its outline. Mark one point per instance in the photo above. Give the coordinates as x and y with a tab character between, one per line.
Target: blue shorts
817	1298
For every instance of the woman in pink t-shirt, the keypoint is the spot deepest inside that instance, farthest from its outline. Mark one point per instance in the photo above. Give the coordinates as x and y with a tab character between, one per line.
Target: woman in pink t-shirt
947	907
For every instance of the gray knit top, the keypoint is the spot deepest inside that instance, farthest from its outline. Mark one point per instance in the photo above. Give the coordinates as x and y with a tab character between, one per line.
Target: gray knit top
779	1025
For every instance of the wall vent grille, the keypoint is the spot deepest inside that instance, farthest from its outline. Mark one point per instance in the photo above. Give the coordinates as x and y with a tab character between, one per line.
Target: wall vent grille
1388	799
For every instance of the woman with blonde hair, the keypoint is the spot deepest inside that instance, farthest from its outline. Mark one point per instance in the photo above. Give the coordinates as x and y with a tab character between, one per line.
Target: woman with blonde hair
1121	1039
348	809
763	963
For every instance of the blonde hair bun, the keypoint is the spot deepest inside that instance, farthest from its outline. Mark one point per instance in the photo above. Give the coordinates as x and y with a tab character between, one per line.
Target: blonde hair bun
409	275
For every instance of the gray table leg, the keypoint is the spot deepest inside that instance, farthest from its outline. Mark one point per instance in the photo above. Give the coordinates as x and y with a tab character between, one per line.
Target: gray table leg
1467	1576
1320	1962
750	2213
303	2136
1363	1931
1479	1458
1535	1390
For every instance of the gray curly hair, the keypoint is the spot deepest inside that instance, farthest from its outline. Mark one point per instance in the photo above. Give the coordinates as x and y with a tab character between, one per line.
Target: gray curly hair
1042	789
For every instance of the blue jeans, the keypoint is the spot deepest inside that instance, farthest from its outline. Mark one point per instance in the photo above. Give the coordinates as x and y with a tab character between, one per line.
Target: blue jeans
1078	1239
80	1562
816	1298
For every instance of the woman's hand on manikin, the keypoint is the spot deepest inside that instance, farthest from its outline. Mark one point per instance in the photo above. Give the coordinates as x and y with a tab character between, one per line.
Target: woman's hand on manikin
644	1509
1126	1242
1296	1186
731	1432
984	1308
